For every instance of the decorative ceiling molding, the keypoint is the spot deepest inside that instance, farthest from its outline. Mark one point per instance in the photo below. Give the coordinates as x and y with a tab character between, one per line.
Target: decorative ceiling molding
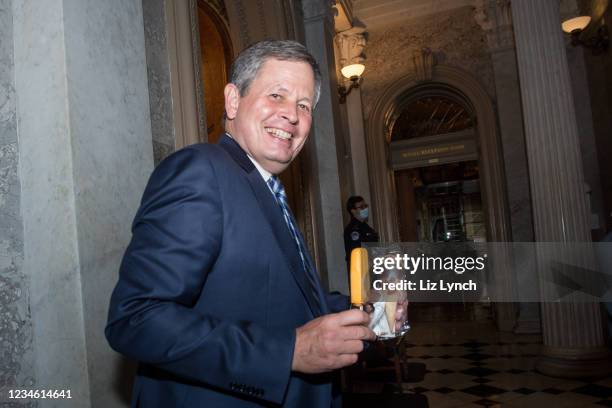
377	13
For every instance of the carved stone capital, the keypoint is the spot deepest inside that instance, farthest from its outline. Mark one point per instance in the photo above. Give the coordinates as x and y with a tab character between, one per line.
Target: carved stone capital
495	18
351	44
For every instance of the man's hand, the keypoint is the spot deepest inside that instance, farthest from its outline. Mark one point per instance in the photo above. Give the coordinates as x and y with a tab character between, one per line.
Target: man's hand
330	342
401	314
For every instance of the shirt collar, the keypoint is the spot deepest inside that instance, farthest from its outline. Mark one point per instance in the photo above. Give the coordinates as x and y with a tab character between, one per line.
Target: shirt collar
265	174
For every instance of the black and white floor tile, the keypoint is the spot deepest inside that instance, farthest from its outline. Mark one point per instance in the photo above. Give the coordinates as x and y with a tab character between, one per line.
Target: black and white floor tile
470	364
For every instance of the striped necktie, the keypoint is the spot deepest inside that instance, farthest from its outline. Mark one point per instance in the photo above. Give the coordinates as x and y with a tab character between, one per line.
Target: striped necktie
281	198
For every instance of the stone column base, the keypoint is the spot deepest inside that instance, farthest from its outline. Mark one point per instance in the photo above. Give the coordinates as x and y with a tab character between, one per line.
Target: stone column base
575	363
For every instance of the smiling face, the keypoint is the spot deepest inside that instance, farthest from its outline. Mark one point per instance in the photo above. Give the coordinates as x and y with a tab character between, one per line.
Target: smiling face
272	120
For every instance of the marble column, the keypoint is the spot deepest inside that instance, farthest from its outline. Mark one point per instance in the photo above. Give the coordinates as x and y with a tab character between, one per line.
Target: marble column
85	153
572	332
359	157
495	18
350	45
321	148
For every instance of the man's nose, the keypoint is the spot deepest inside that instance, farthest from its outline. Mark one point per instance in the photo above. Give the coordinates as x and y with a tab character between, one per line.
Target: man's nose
290	113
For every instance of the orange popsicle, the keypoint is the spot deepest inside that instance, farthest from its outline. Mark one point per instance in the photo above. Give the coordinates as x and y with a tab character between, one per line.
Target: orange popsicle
360	277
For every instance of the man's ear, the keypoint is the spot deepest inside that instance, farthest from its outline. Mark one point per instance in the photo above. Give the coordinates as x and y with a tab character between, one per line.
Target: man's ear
232	100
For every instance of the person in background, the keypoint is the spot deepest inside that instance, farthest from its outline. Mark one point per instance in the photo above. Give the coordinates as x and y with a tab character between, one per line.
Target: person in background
357	230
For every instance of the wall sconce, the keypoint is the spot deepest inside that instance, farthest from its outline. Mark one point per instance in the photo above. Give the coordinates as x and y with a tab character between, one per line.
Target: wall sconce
353	73
575	26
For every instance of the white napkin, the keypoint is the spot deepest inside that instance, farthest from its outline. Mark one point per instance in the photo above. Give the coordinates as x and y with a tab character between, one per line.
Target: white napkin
380	322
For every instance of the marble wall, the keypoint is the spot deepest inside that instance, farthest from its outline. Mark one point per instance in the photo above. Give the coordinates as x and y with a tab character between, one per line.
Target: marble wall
47	197
453	36
16	355
158	74
111	139
85	153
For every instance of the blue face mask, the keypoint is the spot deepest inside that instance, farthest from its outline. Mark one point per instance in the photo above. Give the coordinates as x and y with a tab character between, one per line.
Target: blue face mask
363	213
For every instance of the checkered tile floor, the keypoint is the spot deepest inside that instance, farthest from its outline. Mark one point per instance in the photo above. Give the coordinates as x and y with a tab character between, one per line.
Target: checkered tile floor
470	364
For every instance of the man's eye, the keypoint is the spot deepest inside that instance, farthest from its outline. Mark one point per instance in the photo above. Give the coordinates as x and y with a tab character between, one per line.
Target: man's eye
304	107
275	96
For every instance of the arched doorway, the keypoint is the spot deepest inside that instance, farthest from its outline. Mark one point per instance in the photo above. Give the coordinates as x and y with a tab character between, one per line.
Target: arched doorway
434	157
462	89
380	125
435	163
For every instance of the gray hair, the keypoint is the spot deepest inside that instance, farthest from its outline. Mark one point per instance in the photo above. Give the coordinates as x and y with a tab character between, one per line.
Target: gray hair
248	63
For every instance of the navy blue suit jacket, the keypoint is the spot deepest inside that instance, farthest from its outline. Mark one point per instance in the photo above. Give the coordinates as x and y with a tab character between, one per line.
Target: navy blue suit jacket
212	288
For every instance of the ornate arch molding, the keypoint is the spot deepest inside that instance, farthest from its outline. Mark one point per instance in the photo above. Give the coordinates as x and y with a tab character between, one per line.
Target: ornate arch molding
474	97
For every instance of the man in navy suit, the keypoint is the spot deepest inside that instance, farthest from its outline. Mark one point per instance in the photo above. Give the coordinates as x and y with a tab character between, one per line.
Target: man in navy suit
218	298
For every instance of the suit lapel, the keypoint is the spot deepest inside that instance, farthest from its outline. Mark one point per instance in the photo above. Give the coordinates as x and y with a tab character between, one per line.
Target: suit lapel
274	216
